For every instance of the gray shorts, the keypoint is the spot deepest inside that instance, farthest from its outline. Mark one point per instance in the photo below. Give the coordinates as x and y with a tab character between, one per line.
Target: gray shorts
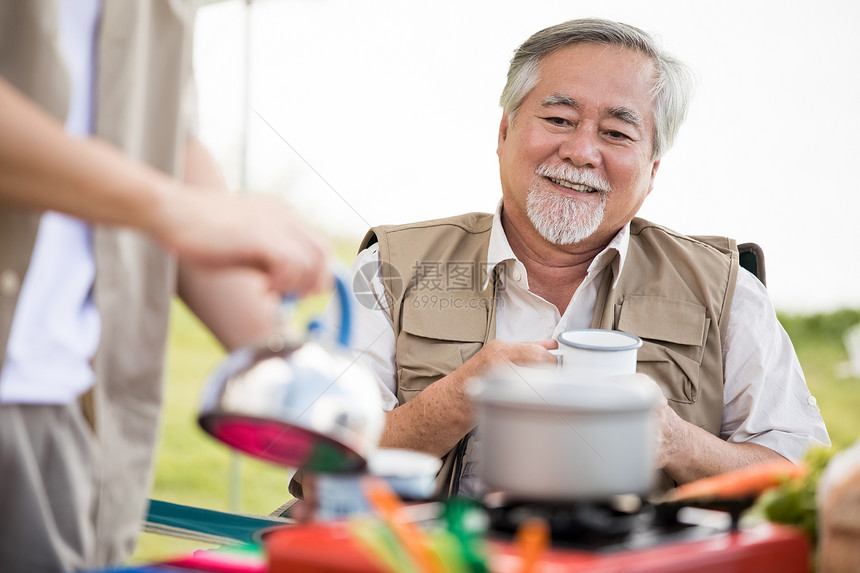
49	479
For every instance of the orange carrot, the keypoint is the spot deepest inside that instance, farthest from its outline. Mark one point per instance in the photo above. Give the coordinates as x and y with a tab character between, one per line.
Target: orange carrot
740	483
532	537
386	502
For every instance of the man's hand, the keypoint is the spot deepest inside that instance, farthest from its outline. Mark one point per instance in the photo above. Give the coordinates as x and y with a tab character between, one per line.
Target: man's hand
238	305
223	230
497	352
687	453
441	414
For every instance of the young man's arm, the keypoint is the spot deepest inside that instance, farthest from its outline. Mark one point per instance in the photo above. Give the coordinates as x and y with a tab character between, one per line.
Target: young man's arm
42	168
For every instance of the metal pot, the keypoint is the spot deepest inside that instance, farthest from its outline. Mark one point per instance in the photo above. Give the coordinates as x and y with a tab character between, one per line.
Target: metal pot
545	439
302	404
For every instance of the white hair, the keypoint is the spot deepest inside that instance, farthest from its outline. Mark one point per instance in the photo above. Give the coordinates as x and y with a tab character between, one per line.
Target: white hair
673	84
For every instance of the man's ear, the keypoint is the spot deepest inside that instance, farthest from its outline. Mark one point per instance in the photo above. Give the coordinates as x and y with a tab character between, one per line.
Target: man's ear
503	131
654	169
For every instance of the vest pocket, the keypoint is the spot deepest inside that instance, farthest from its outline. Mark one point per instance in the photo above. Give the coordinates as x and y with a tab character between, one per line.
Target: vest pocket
674	333
419	374
676	374
434	342
410	383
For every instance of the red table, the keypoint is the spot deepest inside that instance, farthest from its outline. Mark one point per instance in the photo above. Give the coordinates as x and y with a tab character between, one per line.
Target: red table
330	549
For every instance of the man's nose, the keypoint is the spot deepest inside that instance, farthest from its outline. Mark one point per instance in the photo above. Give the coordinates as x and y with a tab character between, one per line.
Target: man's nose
581	148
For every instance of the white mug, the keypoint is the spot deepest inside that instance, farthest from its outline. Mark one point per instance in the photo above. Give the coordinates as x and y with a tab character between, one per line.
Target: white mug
589	355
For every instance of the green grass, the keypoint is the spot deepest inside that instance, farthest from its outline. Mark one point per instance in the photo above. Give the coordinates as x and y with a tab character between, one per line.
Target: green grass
193	469
820	348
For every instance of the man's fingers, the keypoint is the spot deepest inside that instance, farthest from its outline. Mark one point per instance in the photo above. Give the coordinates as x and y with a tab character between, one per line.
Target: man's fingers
300	272
520	353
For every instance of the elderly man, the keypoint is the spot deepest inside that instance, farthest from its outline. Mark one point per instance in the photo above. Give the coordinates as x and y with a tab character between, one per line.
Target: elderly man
589	109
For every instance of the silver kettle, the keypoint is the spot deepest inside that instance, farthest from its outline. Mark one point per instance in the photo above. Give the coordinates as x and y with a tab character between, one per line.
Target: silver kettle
299	403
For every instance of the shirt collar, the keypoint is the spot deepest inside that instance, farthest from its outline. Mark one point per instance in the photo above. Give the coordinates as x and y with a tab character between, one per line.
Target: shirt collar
499	249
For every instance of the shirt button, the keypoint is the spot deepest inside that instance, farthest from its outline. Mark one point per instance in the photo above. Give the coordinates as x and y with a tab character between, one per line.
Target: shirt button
516	276
10	282
811	401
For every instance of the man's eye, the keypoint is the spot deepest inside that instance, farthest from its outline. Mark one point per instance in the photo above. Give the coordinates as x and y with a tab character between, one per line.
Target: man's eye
557	121
618	135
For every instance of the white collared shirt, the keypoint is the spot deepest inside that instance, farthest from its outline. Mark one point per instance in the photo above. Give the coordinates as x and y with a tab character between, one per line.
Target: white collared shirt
765	397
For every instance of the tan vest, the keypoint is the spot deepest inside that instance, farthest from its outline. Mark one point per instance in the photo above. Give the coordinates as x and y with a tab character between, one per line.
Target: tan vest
674	293
145	106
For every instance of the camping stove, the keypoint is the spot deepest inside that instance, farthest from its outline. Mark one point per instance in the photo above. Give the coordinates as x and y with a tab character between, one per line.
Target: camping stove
624	522
630	535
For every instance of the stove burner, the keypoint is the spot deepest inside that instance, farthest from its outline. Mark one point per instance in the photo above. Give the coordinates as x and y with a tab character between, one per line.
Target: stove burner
566	520
604	527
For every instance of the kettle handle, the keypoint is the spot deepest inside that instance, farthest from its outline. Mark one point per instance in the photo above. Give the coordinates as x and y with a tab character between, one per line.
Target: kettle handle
345	300
288	303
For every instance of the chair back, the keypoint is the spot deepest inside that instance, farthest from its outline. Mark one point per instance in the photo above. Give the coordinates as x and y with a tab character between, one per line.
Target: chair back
752	259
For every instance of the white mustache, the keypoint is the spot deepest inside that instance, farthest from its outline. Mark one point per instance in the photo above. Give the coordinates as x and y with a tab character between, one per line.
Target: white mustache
575	175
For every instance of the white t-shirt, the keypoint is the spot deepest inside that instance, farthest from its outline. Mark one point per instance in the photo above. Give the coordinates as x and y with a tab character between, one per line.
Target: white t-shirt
55	329
765	397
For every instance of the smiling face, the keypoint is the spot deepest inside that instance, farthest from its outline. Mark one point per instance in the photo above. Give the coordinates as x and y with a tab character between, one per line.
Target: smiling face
575	162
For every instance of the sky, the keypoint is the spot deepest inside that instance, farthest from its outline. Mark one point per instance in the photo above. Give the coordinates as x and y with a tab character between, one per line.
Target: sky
380	112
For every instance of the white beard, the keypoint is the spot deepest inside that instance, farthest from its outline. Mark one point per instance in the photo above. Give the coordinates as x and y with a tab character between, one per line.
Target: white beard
564	219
